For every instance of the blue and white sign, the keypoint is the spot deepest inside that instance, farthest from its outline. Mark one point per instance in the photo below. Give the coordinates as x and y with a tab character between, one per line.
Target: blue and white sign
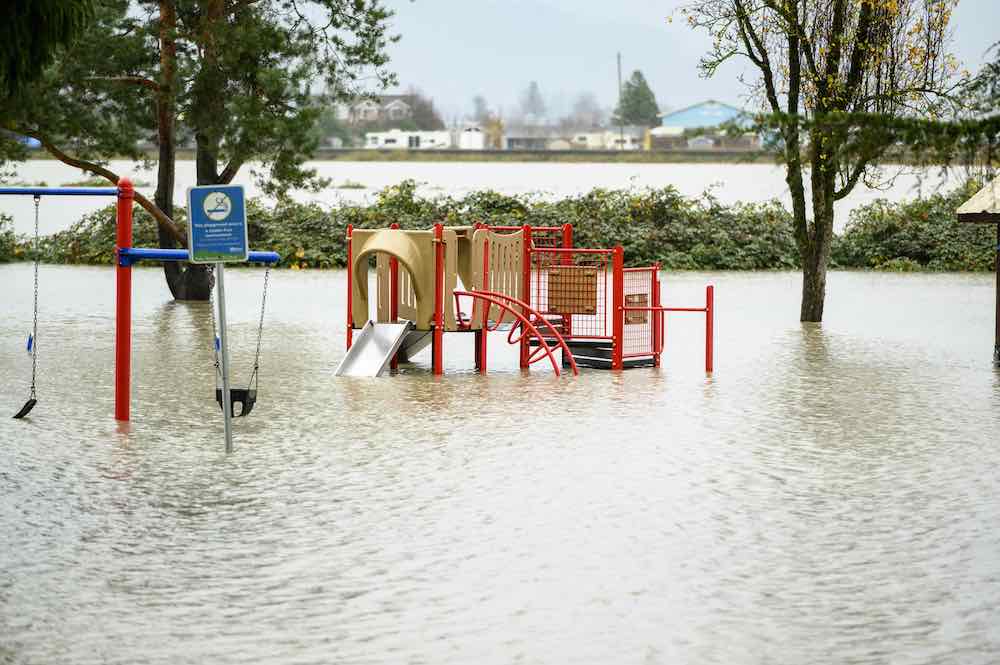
217	224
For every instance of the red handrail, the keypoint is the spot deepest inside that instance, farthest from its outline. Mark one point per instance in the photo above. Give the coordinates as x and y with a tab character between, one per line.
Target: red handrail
507	304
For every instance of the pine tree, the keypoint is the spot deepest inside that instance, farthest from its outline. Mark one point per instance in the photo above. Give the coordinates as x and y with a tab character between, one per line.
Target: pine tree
31	32
638	103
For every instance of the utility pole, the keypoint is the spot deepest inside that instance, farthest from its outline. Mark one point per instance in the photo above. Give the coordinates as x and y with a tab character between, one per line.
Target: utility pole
621	126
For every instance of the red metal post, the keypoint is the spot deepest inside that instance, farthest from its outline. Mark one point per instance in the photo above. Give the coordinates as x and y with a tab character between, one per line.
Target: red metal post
484	332
567	260
123	303
709	327
438	339
567	236
657	316
350	293
618	305
526	291
394	295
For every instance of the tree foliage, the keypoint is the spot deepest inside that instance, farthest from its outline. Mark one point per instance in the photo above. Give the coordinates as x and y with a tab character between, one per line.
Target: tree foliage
30	34
638	103
532	103
823	60
585	113
480	109
241	77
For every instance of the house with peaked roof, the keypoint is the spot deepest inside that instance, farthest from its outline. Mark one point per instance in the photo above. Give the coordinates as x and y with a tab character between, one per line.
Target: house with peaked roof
392	108
709	116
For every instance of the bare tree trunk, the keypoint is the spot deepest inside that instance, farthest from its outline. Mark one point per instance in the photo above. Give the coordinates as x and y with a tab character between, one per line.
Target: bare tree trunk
819	240
186	281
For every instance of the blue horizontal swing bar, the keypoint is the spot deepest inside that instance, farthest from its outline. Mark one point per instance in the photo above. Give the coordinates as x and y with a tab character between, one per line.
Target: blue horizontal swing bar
130	255
60	191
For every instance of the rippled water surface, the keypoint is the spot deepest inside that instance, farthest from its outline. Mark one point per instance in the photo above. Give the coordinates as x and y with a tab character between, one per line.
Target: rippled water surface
829	495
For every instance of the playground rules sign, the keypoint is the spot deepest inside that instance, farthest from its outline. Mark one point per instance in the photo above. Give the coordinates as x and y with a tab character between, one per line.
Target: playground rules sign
217	224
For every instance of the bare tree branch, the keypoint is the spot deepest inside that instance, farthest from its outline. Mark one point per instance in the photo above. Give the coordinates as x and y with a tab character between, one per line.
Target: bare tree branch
150	207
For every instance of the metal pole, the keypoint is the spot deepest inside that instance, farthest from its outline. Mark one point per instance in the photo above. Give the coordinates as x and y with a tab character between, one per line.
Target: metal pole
227	405
996	337
621	126
709	328
618	307
437	341
123	302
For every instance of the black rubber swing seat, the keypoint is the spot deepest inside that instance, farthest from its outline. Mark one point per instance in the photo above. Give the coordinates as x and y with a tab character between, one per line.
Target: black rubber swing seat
26	409
245	397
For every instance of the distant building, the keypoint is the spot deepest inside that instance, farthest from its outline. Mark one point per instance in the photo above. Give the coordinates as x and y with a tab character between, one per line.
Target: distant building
471	138
705	115
629	137
387	108
589	140
397	139
528	138
680	129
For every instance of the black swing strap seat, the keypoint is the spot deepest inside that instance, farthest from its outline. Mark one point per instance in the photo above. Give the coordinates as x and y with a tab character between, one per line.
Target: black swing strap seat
26	409
245	397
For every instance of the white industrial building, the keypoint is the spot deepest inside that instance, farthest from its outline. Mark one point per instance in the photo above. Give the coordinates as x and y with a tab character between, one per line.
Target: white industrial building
397	139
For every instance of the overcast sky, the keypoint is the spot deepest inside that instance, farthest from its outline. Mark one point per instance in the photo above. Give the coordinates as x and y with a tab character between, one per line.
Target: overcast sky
455	49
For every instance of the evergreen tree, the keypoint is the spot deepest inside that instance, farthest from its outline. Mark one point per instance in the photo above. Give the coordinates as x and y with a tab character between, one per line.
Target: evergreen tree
480	109
31	32
235	75
532	103
638	103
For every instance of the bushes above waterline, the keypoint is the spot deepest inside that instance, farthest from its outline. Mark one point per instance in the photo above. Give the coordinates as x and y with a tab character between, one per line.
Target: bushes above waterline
8	244
652	225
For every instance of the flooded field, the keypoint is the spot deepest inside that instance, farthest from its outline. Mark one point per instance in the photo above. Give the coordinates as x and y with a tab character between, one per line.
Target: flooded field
830	494
358	182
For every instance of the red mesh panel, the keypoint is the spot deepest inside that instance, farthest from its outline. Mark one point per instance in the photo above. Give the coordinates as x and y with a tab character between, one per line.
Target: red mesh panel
572	288
639	320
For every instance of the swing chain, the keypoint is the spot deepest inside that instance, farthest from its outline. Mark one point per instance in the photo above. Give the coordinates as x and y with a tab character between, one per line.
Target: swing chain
34	322
211	311
260	324
260	328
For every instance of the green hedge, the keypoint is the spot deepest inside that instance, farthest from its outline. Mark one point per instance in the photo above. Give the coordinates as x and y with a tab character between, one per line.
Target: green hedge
921	234
652	225
8	244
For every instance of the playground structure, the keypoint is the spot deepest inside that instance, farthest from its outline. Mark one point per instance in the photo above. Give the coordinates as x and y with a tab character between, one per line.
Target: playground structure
529	281
126	257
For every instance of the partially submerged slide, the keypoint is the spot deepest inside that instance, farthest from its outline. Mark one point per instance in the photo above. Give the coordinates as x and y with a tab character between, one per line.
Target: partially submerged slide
373	348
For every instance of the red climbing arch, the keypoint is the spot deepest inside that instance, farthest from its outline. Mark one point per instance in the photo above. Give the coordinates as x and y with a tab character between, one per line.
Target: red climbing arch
523	313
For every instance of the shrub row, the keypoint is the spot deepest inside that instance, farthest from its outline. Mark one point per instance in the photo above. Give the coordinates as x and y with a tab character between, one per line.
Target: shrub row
652	225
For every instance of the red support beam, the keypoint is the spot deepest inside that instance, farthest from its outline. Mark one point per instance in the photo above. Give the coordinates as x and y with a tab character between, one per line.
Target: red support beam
350	293
618	307
526	291
483	334
123	303
394	295
657	316
709	328
438	339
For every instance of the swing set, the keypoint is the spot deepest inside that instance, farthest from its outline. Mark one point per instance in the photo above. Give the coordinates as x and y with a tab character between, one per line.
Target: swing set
125	257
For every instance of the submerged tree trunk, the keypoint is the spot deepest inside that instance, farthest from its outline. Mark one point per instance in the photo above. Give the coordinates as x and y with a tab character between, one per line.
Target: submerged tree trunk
186	281
815	250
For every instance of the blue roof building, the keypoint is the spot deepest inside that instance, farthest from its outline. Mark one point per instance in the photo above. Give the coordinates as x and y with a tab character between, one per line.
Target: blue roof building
705	114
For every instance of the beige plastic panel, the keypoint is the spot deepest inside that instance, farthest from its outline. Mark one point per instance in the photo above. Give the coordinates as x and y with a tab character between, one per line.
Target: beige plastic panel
506	266
415	252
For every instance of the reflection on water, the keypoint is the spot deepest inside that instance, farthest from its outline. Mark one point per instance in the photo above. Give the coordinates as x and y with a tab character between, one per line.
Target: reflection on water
829	495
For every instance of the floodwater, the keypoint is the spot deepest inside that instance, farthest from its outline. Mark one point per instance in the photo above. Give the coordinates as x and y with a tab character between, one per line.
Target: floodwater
730	183
830	495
